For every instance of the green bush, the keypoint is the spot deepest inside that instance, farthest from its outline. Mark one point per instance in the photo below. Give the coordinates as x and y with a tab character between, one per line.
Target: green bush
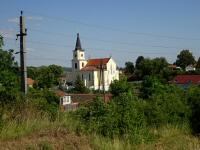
193	96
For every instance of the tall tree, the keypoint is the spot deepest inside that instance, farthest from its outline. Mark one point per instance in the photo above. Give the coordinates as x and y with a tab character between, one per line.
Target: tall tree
185	58
129	67
198	64
138	62
9	79
156	66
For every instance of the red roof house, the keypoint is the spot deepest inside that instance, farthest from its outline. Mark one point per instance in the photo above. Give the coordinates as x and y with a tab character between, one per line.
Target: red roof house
93	64
30	82
187	79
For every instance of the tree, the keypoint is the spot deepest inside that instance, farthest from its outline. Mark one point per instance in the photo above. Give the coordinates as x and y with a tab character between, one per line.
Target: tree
198	64
120	86
138	62
184	59
47	76
9	79
193	97
129	67
79	86
156	66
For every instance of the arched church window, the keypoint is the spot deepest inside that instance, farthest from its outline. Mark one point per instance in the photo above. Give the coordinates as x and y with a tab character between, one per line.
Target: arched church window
75	66
82	64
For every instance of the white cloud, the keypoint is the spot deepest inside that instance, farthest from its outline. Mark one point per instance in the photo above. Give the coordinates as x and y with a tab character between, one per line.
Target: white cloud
8	33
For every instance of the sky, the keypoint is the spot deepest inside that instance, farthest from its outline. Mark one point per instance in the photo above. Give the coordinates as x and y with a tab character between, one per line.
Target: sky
121	29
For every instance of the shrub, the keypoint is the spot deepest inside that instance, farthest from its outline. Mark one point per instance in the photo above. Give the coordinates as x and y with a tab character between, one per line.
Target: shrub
193	96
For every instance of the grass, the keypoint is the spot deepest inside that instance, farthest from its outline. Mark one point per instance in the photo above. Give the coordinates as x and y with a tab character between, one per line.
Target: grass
63	134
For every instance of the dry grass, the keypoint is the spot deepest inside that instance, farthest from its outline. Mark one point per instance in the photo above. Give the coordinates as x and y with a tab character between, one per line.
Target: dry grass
48	139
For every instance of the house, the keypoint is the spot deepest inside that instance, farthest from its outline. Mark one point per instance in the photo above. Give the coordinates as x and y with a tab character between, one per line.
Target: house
190	68
66	101
174	67
185	81
96	73
30	82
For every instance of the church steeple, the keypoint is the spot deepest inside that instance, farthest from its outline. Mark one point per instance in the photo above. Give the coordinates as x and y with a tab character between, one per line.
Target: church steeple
78	43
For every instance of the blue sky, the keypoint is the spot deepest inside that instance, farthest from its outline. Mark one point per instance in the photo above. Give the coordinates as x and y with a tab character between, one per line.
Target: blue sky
121	29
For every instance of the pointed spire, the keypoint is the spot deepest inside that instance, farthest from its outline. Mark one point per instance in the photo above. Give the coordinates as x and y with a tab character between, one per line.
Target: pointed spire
78	43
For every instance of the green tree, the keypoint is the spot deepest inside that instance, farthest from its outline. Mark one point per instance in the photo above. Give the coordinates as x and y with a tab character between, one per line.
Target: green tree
185	58
193	97
9	79
198	64
120	86
79	86
156	66
47	76
129	67
138	62
32	72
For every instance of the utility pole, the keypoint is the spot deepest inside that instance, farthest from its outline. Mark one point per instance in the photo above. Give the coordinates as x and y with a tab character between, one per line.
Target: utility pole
23	69
101	78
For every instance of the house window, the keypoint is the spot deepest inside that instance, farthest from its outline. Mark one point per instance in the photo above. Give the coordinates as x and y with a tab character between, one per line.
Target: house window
82	64
75	65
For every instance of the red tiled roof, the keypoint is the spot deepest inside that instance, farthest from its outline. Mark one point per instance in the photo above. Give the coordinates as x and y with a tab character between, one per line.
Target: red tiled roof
184	79
98	61
89	68
30	81
92	64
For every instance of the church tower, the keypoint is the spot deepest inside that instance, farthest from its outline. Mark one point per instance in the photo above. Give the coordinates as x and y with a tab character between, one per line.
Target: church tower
78	61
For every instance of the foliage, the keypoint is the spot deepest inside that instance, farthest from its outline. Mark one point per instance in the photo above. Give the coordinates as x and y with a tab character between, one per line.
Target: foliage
193	96
198	64
150	86
120	86
46	76
138	62
156	66
45	100
79	86
185	58
9	79
129	67
168	106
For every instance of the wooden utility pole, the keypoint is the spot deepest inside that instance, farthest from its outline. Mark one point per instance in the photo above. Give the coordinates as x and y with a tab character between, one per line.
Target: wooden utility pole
101	78
23	69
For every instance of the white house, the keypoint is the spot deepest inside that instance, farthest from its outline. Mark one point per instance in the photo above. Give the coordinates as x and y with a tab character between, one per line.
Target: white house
96	73
190	68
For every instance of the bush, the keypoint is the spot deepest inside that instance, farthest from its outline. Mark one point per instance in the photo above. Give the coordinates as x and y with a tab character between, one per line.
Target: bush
193	96
120	86
168	105
120	118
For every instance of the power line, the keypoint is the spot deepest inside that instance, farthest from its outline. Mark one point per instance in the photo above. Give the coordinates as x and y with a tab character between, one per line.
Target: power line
111	28
109	41
98	49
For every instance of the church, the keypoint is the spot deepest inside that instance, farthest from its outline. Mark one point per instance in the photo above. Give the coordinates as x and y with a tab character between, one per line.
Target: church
95	73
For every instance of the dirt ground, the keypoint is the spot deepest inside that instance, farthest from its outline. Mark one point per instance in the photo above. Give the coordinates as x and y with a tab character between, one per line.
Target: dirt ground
59	139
